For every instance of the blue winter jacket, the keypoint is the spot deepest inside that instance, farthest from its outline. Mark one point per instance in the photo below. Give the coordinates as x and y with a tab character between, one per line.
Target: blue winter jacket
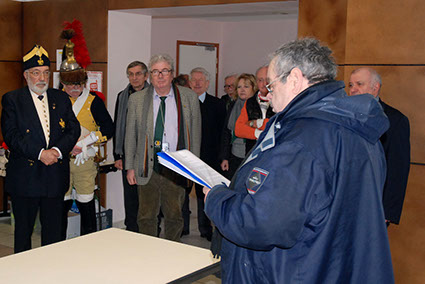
306	205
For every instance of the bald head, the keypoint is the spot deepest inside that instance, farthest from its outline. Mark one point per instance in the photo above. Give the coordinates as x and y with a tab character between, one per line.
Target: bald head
365	81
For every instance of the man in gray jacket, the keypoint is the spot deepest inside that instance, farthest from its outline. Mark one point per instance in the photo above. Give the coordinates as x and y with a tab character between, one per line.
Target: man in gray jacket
162	117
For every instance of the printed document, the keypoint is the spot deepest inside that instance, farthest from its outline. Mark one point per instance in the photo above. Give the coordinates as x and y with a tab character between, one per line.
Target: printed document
188	165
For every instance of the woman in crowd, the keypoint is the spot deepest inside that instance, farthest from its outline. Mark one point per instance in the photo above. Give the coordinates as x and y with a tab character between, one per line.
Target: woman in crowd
233	148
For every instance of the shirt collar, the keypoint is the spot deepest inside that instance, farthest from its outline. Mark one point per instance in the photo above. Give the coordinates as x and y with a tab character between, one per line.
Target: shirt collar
202	97
157	96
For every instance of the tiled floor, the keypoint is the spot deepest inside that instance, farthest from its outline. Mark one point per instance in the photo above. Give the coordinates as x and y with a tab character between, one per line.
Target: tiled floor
194	238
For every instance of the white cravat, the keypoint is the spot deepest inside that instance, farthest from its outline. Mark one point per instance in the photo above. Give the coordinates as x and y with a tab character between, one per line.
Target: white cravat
42	107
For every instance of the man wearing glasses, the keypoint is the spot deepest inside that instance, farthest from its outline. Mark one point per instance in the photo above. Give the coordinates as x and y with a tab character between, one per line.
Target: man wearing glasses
137	73
40	129
229	89
162	117
306	204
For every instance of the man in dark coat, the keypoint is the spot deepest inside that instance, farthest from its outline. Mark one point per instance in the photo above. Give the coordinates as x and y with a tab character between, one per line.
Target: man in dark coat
137	73
396	143
213	113
40	129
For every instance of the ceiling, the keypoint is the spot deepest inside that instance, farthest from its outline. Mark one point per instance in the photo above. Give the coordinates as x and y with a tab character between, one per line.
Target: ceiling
228	12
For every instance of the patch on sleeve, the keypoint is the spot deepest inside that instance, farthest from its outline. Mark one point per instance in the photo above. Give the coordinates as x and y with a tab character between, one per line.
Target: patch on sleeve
256	180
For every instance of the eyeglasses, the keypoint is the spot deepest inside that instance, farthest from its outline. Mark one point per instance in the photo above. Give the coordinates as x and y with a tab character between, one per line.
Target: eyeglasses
269	85
163	72
228	86
37	73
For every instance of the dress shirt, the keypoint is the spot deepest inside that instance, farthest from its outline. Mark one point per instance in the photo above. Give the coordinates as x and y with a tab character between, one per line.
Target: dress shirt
171	118
202	97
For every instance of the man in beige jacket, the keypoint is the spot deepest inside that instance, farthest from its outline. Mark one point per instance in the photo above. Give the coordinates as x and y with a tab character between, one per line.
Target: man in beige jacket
161	117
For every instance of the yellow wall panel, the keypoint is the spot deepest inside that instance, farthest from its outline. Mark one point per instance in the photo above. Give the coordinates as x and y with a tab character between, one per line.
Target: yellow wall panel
325	20
10	30
385	32
406	239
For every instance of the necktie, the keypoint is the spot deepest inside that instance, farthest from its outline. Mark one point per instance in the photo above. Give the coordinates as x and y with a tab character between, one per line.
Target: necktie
159	132
40	97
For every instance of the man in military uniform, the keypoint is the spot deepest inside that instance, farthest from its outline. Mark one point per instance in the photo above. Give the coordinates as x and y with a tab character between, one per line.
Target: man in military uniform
40	129
96	127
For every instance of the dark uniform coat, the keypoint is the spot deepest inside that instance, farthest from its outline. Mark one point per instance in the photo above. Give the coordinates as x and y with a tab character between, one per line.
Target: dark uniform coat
306	205
26	176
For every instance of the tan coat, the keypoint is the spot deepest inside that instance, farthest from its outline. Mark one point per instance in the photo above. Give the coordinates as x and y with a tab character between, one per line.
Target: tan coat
139	148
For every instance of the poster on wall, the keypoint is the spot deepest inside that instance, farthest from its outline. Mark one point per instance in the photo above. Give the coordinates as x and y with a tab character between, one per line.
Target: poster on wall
58	59
94	82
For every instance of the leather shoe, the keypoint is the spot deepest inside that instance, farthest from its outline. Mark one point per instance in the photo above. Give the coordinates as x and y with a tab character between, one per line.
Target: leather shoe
184	233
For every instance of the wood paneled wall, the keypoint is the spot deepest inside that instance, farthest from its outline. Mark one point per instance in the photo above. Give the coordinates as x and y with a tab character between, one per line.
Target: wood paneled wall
10	53
386	36
11	47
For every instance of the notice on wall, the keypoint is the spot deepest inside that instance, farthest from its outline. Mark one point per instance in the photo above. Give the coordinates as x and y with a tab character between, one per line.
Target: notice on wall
58	59
94	82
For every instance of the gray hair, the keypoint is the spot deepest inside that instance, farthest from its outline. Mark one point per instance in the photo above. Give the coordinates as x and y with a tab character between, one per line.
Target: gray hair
161	58
313	59
138	63
374	76
201	70
230	76
261	67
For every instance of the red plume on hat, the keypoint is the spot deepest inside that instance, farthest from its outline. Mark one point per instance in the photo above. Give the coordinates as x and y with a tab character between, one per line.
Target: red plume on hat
81	52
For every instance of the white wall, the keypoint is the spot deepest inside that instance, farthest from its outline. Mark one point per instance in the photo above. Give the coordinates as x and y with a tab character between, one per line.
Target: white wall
244	45
129	39
247	45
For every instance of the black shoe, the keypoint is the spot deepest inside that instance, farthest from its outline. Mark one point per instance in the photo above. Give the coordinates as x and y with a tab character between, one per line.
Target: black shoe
207	236
184	233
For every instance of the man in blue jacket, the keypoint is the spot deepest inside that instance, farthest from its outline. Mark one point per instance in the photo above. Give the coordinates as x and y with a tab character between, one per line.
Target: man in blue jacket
305	206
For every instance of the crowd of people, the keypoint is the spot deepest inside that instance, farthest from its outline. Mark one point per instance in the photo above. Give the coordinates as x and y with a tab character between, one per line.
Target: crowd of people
316	174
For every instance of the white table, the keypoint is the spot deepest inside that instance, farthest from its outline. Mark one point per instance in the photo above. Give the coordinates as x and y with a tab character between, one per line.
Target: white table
108	256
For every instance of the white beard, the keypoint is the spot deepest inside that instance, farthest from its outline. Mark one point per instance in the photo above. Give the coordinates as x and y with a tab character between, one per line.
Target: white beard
36	89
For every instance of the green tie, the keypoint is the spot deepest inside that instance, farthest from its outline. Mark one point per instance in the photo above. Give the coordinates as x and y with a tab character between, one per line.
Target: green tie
159	132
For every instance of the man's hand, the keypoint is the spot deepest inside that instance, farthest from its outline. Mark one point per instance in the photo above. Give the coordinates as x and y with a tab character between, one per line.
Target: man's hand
76	150
252	123
49	157
131	177
206	190
118	164
224	165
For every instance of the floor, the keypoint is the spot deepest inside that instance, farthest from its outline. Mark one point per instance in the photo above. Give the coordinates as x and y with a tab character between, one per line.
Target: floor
194	238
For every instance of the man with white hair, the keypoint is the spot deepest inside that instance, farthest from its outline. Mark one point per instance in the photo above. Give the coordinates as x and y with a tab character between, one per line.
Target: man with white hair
40	129
305	206
213	112
396	143
162	117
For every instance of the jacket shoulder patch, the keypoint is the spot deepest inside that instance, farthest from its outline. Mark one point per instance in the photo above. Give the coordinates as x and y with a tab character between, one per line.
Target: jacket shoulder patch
256	179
